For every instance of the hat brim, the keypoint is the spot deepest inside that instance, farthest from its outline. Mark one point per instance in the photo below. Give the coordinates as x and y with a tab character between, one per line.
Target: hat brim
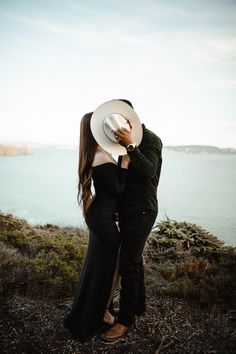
96	125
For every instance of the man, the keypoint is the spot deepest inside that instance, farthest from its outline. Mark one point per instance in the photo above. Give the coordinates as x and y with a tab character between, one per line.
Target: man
138	211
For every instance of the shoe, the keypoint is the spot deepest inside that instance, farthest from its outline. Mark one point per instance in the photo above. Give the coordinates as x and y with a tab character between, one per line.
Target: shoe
115	332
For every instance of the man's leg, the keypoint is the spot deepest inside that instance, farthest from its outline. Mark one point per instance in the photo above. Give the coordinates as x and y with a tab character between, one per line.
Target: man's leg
135	229
141	302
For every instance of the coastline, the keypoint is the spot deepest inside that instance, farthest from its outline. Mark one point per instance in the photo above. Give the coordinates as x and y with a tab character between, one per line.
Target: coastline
9	149
13	150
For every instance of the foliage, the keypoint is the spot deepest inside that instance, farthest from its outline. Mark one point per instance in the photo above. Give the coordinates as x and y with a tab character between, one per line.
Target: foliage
43	263
190	262
37	262
182	259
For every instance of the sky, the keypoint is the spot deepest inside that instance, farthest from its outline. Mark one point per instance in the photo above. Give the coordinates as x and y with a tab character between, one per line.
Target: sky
174	60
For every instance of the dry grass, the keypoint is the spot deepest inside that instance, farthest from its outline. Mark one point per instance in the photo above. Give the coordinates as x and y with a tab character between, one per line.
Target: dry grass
190	281
39	261
190	262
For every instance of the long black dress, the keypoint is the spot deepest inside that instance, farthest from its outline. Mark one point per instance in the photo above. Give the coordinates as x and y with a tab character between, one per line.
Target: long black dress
92	294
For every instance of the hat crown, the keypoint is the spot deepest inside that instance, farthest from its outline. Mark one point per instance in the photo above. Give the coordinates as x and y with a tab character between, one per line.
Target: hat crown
110	116
112	122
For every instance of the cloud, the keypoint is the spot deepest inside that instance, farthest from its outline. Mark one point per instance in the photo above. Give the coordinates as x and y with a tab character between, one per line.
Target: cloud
211	46
154	28
164	57
188	45
79	33
48	26
211	84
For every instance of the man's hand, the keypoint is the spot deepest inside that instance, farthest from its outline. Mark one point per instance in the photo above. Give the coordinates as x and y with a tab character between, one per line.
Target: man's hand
123	137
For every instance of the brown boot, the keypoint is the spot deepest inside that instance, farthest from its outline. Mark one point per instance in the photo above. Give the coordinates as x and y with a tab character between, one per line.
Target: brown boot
116	332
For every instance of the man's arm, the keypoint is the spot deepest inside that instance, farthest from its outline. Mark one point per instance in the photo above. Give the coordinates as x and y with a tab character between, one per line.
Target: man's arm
145	163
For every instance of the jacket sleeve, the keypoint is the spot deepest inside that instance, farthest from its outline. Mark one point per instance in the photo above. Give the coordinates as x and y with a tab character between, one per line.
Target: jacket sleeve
145	163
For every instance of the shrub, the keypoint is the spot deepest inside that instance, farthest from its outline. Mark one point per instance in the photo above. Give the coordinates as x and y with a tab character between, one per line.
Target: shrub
36	262
191	262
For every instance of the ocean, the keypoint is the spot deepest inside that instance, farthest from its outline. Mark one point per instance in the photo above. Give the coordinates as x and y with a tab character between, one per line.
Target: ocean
200	188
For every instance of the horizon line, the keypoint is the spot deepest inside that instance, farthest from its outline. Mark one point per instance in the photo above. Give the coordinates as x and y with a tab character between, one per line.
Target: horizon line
76	145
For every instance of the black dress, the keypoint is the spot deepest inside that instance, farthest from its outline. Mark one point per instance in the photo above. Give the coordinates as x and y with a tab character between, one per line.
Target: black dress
93	291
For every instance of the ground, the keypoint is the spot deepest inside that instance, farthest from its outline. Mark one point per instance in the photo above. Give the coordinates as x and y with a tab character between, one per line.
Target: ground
190	282
171	325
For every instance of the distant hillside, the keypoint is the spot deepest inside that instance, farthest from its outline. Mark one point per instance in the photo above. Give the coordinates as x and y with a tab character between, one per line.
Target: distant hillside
12	150
200	149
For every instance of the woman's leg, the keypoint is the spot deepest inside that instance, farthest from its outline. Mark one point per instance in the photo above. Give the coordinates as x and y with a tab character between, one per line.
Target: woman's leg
108	317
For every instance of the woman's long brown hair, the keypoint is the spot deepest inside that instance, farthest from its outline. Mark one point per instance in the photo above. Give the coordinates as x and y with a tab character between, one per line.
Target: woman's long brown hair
87	149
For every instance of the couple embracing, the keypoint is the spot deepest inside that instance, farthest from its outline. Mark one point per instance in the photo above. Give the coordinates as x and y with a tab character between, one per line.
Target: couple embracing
119	215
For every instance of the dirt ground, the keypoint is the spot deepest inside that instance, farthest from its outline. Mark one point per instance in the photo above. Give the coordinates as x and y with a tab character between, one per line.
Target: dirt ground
190	283
171	325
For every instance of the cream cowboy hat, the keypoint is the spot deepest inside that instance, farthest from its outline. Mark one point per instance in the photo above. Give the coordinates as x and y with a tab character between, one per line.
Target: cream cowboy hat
110	116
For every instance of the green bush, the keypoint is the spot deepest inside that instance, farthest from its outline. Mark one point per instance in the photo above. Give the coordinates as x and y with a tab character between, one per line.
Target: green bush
184	260
37	262
191	262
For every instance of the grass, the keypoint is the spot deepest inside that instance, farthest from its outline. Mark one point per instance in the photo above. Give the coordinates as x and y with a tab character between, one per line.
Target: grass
36	261
185	259
190	262
190	282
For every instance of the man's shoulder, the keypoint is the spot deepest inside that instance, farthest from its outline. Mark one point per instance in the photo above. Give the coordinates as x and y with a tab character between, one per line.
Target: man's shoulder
149	135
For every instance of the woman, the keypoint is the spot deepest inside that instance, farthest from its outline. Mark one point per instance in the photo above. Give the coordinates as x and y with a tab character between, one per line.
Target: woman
94	291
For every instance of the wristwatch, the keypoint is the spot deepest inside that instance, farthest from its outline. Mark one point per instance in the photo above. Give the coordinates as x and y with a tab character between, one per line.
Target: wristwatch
130	147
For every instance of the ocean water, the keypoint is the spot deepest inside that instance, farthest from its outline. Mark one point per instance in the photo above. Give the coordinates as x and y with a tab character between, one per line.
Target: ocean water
199	188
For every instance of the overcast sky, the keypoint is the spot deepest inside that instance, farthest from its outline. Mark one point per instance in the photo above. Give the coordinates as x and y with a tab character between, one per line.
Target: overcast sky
175	61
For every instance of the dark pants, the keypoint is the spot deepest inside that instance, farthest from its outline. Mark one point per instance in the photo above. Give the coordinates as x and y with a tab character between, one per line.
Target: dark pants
135	227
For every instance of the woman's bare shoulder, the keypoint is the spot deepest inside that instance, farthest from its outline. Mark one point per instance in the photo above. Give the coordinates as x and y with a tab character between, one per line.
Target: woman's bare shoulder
102	157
